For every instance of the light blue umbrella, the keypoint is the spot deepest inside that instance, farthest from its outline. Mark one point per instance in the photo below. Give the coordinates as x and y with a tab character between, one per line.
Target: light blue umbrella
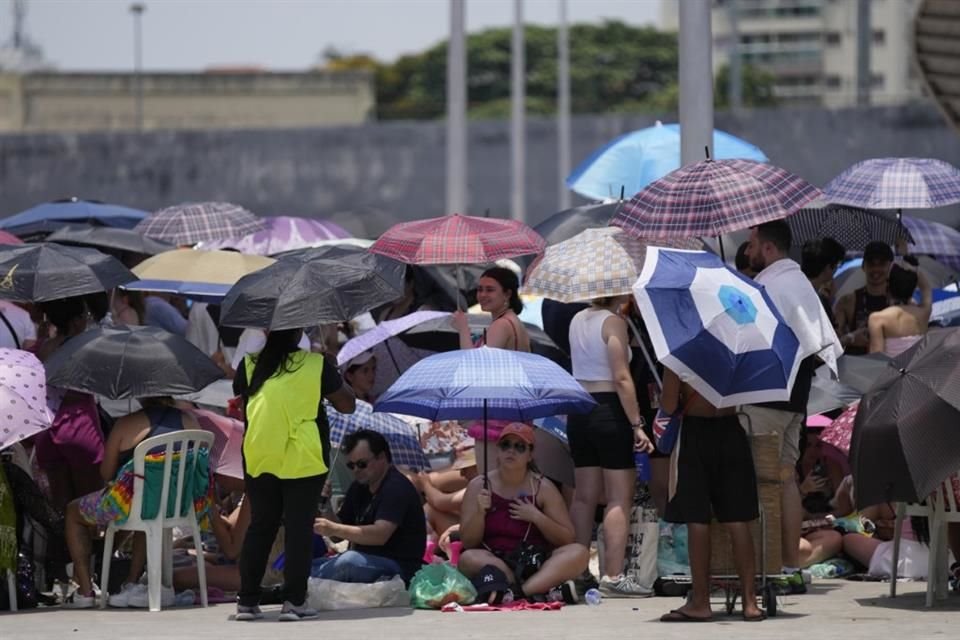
401	436
716	329
631	162
50	216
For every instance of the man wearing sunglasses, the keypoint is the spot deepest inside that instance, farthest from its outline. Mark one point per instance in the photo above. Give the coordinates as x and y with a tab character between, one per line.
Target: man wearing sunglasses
381	516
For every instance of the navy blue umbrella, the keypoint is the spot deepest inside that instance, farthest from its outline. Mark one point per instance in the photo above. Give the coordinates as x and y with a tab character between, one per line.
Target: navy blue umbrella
48	217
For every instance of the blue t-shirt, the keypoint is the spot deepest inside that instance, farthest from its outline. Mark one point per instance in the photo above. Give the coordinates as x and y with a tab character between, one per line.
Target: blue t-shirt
160	313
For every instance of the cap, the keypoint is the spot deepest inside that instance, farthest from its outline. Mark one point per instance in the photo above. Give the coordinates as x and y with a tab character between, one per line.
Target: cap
519	430
359	359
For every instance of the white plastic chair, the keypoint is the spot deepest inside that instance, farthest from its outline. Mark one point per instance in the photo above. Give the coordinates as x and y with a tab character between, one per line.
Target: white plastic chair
159	529
939	509
12	590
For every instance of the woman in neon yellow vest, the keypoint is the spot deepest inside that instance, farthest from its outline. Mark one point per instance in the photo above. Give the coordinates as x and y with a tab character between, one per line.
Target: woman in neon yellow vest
284	470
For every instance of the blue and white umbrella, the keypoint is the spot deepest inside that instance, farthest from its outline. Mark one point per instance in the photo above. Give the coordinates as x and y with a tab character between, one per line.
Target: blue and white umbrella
717	330
402	437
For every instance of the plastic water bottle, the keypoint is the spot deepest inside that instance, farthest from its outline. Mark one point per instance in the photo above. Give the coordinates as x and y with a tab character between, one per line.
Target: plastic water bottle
593	597
184	599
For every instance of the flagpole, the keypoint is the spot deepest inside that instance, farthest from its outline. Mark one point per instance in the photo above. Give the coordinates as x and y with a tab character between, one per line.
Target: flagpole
696	81
457	110
517	117
563	108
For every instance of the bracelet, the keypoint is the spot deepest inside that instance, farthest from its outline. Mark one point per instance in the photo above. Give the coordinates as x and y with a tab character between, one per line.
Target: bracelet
639	424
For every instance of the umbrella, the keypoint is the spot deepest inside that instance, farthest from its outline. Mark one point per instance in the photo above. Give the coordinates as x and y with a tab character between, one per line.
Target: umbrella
402	437
458	239
896	183
47	271
226	455
313	286
439	334
205	275
850	277
565	224
714	197
193	222
905	439
596	263
718	330
107	239
8	238
23	396
634	160
932	237
860	372
852	227
283	233
130	362
50	216
828	395
840	430
383	332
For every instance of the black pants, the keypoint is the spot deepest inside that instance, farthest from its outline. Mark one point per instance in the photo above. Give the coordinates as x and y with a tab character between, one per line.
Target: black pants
272	500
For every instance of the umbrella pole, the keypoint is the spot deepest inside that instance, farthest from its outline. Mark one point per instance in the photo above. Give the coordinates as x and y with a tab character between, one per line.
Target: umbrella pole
393	358
646	354
460	286
723	258
486	463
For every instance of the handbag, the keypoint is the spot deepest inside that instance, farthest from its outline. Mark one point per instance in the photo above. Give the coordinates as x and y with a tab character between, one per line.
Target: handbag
666	427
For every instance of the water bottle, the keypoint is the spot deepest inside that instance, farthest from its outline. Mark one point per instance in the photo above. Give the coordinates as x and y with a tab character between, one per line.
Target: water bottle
642	460
184	599
593	597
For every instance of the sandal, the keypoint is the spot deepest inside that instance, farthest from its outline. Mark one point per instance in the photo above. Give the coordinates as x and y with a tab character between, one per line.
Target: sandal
676	615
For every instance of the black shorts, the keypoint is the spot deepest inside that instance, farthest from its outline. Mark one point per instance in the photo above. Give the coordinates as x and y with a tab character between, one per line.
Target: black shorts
715	474
602	438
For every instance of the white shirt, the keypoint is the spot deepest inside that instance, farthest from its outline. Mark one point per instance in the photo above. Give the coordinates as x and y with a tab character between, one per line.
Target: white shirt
22	325
253	341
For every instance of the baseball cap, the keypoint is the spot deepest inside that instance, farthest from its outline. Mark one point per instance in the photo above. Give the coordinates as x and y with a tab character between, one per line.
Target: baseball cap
519	430
359	359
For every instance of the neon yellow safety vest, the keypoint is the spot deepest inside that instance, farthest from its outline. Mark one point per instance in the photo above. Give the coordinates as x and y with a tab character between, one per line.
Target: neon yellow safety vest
282	437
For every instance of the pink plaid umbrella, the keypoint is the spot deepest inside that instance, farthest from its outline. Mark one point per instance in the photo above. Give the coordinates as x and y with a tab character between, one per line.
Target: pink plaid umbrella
283	233
23	397
458	239
839	432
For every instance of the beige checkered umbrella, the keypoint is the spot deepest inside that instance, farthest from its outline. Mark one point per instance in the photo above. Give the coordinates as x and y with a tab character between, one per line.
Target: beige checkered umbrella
596	263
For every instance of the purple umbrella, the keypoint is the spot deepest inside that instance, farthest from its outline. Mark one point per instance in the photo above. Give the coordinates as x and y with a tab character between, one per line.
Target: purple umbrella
283	233
383	332
932	237
23	397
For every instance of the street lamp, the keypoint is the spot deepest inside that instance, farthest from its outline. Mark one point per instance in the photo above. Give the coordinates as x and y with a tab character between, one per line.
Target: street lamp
137	9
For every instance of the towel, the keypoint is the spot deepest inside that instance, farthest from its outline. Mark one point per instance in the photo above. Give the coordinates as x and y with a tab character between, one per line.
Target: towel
800	306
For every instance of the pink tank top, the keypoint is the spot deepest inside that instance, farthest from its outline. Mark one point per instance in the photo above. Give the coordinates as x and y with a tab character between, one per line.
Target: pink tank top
502	533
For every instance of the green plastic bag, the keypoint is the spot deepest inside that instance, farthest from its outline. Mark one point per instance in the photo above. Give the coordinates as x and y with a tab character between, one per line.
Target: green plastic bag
438	584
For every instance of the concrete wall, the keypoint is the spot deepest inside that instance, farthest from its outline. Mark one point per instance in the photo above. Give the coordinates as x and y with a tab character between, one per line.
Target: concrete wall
369	176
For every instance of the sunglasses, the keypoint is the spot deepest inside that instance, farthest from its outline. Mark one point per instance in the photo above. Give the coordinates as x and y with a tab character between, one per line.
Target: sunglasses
359	464
506	445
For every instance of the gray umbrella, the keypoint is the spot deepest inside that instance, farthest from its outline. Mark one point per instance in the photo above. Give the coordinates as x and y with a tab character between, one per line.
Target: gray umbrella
48	271
109	239
861	372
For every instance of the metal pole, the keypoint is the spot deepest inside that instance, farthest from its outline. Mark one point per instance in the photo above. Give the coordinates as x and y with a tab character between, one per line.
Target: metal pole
735	66
457	110
137	10
517	117
864	40
563	108
696	81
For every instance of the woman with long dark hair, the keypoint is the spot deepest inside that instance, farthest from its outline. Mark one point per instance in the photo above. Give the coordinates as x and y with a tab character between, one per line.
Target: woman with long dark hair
283	388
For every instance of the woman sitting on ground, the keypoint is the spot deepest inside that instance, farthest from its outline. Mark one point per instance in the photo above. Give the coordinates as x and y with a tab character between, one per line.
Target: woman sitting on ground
515	510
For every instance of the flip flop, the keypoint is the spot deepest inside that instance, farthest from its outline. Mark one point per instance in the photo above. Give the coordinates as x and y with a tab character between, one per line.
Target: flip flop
680	616
757	618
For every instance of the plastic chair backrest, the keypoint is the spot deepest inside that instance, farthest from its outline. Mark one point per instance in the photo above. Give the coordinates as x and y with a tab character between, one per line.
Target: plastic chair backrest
944	498
179	441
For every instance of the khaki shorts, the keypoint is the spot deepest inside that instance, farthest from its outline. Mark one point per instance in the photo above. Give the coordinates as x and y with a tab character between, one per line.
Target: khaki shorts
759	420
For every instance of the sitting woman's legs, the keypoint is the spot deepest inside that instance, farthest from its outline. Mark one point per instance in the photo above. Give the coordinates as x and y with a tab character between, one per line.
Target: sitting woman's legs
220	576
860	547
565	563
473	560
818	546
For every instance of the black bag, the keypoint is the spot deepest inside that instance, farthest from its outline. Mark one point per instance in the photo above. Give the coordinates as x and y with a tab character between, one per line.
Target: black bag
526	560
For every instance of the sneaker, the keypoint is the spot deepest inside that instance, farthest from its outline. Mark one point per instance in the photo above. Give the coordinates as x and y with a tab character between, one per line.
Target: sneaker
584	582
567	593
248	614
623	587
122	599
140	599
290	613
80	601
791	585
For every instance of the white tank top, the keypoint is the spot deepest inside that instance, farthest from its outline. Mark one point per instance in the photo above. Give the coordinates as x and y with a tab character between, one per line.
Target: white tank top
588	351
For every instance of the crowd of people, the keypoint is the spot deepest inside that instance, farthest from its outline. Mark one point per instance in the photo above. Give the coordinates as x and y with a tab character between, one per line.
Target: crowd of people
518	532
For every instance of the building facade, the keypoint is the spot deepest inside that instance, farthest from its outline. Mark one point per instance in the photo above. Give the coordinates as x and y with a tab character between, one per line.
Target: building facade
810	46
240	99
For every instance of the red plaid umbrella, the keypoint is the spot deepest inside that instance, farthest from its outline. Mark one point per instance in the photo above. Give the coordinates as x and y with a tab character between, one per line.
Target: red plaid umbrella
458	239
713	197
840	430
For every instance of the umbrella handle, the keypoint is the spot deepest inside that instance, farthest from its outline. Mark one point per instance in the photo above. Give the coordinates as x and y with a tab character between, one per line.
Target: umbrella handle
646	354
486	463
460	286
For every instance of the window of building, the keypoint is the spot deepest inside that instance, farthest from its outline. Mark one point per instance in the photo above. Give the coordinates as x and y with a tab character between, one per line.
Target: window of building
832	81
879	37
877	80
833	38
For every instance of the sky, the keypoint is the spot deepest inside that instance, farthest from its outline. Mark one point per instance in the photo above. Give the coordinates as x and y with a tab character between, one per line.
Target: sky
182	35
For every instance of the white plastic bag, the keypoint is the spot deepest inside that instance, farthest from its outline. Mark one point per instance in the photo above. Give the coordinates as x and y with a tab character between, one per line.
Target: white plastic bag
911	564
330	595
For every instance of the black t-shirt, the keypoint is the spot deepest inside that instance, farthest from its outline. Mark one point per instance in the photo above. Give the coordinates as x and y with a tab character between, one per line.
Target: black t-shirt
396	501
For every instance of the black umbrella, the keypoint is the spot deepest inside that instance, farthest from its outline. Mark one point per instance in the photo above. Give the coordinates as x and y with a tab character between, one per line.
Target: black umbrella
130	362
109	238
906	438
48	271
862	372
828	395
440	335
565	224
313	286
852	227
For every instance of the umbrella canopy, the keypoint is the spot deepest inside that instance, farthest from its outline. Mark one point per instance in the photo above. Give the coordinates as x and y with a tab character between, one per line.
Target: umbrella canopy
565	224
829	395
108	239
130	362
39	272
8	238
714	197
283	233
193	222
716	329
226	455
596	263
905	439
313	286
458	239
402	437
932	237
840	431
383	332
896	183
48	217
861	372
634	160
205	275
850	276
851	227
23	396
485	383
